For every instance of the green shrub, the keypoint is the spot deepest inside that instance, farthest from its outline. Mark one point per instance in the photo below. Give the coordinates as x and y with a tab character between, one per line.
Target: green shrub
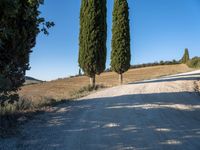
194	62
20	105
24	107
7	109
25	104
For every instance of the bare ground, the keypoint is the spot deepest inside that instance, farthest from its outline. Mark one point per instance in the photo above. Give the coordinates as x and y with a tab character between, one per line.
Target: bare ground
159	114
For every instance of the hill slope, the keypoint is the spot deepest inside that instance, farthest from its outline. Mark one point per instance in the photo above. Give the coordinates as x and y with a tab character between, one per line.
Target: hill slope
159	114
62	88
31	80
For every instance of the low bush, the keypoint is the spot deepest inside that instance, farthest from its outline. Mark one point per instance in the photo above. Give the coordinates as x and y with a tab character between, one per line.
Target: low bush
10	113
194	62
24	104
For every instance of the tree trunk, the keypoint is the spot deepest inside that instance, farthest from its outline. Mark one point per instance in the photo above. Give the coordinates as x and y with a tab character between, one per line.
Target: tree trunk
92	81
121	79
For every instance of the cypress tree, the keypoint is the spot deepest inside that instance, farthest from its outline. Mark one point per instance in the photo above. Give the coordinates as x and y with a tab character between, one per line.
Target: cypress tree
185	57
120	55
92	38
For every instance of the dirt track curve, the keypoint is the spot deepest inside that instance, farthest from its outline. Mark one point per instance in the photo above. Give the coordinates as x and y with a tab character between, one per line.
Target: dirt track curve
161	114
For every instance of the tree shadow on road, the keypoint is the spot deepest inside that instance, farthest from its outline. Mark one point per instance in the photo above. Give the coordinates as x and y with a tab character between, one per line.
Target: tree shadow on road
140	122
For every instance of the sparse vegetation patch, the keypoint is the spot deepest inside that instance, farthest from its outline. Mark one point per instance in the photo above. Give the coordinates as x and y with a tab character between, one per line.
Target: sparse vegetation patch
84	91
194	62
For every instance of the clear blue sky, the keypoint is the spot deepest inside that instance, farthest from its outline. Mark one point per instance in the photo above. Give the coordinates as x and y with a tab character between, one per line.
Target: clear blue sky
160	30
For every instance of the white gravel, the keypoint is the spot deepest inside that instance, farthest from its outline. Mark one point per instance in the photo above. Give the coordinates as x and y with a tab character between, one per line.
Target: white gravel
161	114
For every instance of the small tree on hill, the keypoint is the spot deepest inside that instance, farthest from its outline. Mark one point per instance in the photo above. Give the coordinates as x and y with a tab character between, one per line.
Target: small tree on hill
92	38
79	72
120	55
185	57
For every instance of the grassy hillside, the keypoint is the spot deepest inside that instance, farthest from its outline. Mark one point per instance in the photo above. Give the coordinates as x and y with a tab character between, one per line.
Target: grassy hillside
30	80
62	88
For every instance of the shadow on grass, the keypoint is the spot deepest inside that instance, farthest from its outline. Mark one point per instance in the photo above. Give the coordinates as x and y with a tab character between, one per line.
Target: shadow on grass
142	121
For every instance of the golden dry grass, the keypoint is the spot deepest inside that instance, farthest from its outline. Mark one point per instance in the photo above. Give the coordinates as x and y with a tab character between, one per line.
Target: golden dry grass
62	88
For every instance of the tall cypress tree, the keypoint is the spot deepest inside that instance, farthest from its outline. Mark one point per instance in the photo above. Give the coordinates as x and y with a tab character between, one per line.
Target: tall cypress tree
120	55
92	38
185	57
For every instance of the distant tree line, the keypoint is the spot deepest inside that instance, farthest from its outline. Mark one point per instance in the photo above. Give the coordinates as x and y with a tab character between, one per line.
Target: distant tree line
173	62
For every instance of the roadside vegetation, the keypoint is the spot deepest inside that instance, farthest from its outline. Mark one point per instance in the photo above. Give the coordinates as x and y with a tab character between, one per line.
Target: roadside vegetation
86	90
194	62
13	114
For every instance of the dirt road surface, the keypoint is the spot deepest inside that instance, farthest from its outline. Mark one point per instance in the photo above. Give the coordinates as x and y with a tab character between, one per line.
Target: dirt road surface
161	114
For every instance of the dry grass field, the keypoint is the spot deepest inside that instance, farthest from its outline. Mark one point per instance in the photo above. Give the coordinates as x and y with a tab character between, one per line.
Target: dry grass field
62	88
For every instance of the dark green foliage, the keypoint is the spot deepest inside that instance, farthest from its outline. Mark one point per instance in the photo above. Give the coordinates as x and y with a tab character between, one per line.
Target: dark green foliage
194	62
185	57
120	55
92	38
19	26
173	62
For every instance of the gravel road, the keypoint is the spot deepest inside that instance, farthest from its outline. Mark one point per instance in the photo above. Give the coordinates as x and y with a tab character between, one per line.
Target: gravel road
160	114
